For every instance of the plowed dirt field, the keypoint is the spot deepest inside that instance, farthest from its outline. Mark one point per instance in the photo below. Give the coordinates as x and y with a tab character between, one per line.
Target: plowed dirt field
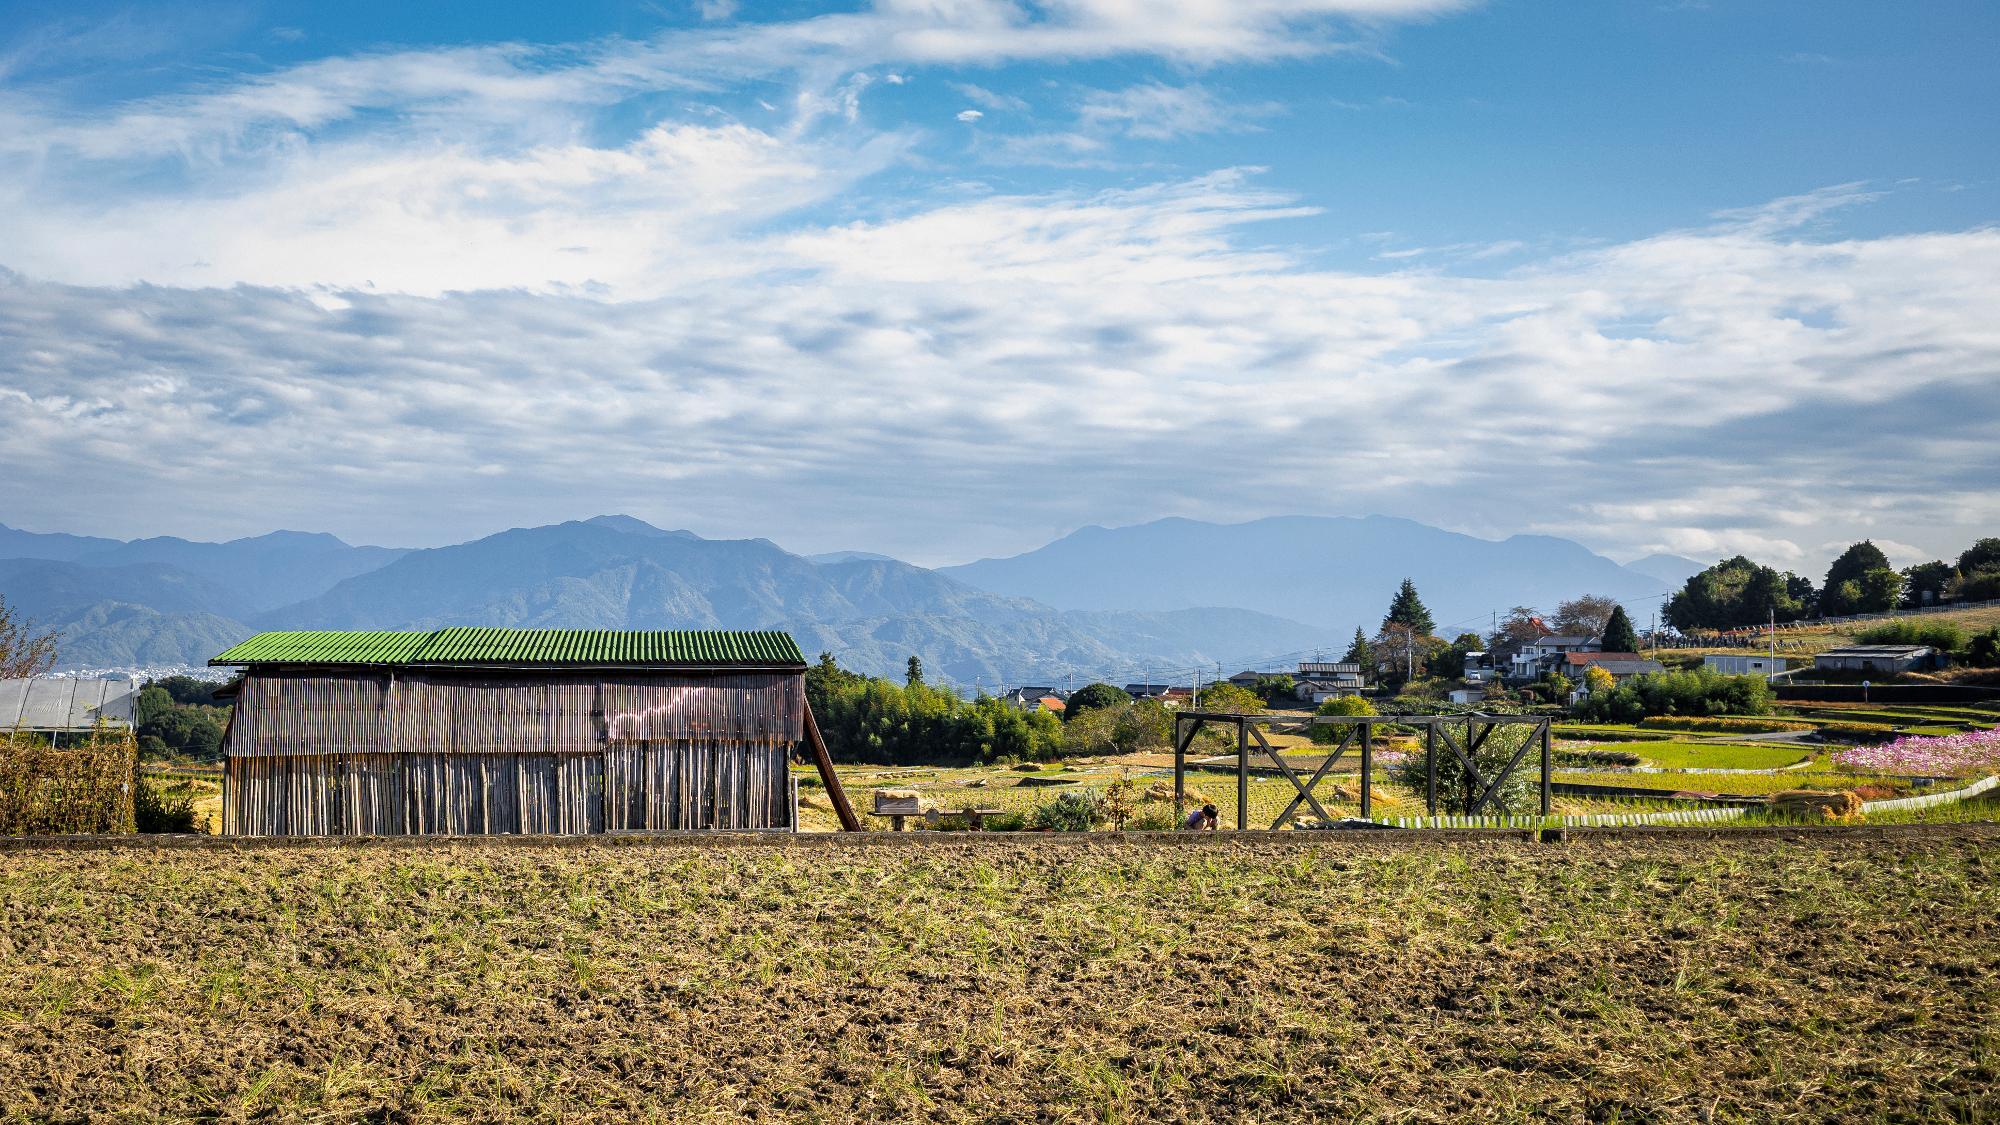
1809	976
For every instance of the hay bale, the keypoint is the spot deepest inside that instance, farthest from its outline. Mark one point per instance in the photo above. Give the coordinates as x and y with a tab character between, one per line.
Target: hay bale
898	802
1813	803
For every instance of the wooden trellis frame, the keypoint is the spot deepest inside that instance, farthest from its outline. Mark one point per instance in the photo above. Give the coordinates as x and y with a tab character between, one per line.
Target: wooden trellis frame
1437	730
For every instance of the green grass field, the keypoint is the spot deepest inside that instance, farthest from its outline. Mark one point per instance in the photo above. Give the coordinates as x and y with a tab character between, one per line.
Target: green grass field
1852	976
1720	755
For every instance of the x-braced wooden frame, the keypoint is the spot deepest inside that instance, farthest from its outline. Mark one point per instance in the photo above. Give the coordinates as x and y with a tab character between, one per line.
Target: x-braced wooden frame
1437	728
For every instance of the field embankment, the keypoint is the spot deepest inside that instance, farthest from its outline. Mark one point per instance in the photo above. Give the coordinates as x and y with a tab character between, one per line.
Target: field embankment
1851	974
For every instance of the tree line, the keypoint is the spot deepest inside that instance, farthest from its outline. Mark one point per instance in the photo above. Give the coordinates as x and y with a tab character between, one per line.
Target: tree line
1738	593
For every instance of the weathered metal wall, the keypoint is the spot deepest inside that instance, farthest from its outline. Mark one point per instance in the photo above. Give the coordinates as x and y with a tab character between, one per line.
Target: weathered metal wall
643	786
286	713
451	753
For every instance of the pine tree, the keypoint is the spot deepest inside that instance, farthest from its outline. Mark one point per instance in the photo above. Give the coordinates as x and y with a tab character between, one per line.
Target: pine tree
916	672
1408	610
1619	636
1361	652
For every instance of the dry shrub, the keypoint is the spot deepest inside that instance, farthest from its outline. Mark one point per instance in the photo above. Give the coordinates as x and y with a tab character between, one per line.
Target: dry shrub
1874	791
1164	791
47	790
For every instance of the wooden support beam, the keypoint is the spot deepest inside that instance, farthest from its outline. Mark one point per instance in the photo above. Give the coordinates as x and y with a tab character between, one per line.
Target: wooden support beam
848	821
1367	769
1546	756
1242	776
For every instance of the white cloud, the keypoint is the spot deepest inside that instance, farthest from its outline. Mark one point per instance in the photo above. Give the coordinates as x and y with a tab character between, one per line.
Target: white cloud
969	115
1062	359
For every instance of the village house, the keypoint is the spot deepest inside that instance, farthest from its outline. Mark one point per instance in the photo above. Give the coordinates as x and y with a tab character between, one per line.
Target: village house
1543	654
1035	698
1737	664
1622	665
1318	681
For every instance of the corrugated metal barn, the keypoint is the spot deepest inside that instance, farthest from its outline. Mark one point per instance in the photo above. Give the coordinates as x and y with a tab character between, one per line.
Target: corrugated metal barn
473	731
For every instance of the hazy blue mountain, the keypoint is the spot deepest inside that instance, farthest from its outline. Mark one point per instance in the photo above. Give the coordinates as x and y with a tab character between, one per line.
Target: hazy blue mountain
17	544
117	635
872	613
637	526
1334	573
848	556
261	572
1673	570
41	589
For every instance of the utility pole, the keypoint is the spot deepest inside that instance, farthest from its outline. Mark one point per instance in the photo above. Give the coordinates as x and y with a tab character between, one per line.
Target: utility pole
1771	669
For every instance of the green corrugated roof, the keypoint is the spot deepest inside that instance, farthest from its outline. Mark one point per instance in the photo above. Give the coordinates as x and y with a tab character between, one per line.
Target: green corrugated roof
543	647
326	647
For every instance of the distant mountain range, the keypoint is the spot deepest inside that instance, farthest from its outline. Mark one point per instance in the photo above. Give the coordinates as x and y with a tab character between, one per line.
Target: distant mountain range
1166	596
1331	572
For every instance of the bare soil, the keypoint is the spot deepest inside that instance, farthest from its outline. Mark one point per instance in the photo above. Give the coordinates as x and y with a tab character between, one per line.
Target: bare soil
1834	975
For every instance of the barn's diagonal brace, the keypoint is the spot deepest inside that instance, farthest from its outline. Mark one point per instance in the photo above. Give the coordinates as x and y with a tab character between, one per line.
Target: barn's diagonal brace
848	821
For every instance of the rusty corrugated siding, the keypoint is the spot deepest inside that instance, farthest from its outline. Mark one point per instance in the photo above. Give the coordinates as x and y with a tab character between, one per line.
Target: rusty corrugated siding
287	713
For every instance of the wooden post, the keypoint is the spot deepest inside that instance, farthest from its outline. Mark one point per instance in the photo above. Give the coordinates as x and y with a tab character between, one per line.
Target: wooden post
1180	776
1242	776
1546	756
1367	767
848	821
1430	769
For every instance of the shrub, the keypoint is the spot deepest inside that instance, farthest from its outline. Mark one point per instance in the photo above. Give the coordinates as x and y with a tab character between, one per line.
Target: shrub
1854	732
1520	793
155	809
1152	818
1071	812
1940	635
1346	705
1698	692
1984	649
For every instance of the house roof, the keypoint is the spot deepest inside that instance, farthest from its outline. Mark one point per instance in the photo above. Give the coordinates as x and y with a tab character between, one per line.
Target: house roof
1325	668
65	702
1879	650
461	647
1630	667
1553	639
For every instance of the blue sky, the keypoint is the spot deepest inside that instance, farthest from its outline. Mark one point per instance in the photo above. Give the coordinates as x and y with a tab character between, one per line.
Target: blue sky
946	278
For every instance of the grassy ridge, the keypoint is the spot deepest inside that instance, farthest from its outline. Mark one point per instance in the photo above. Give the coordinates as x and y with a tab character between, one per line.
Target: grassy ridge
1854	976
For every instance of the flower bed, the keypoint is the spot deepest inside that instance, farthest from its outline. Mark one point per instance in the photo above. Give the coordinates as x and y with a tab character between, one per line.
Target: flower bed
1951	755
